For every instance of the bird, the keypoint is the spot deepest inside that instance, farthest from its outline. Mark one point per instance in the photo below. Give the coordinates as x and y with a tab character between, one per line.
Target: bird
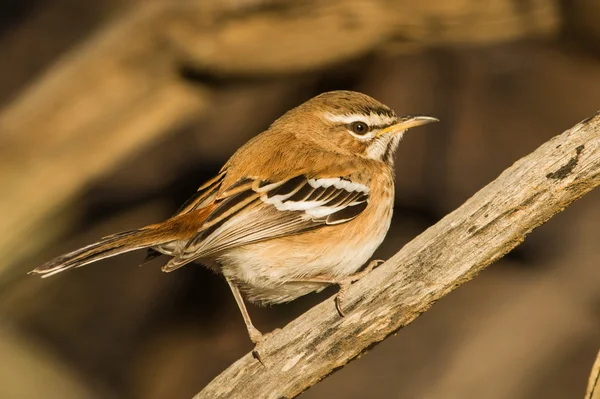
301	206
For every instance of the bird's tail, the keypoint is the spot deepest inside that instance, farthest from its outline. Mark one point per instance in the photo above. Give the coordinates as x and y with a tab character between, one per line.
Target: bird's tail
176	228
112	245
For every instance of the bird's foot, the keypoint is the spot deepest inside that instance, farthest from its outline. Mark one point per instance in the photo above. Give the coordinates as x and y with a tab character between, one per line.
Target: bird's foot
258	339
346	282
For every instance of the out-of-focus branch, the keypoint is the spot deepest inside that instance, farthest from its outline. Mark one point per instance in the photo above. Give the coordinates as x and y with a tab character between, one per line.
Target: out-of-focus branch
453	251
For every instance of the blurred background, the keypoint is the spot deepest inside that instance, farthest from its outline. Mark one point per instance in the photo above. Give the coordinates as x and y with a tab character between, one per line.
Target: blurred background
113	112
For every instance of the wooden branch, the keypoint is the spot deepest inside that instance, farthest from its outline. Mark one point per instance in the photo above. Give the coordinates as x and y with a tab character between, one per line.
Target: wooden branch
481	231
593	390
110	97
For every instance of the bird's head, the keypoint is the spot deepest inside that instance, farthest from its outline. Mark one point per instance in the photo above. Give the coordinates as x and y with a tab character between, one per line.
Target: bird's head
351	122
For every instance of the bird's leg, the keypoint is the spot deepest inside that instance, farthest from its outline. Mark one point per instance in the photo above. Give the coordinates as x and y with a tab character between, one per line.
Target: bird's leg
347	281
344	283
255	335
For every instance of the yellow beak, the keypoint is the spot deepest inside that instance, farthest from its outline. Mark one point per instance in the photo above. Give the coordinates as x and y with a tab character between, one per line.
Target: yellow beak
406	122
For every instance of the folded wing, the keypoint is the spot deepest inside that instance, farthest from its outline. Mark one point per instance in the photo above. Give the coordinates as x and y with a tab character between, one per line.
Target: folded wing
253	210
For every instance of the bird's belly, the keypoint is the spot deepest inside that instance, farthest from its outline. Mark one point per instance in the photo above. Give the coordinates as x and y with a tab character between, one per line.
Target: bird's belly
276	271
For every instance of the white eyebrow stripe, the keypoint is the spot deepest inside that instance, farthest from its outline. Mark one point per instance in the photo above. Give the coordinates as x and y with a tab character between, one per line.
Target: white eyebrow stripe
372	119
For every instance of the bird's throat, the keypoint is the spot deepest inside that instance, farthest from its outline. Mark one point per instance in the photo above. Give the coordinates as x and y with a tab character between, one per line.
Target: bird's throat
384	147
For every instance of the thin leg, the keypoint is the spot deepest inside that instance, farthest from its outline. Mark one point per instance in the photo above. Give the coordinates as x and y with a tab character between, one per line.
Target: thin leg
344	283
255	335
347	282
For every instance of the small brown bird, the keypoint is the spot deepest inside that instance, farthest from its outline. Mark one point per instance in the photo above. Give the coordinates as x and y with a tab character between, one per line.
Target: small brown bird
301	206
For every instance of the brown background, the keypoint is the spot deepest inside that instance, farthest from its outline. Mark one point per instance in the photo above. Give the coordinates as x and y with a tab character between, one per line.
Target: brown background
113	112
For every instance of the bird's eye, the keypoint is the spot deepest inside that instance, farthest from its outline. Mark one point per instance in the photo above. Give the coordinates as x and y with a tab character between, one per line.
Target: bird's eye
359	127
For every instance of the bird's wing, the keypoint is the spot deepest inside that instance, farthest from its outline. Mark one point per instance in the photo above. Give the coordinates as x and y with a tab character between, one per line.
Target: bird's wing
202	198
205	195
253	210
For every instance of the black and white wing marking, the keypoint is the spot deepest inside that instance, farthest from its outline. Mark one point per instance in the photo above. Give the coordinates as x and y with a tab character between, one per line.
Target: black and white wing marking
253	210
329	200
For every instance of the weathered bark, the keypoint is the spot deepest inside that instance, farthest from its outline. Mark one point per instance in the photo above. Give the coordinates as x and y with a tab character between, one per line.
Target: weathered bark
453	251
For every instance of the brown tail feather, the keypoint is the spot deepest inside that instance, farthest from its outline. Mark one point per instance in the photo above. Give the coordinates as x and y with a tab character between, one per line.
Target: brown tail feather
179	227
111	246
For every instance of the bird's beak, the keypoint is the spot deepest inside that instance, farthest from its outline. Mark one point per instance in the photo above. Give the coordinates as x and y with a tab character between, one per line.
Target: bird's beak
406	122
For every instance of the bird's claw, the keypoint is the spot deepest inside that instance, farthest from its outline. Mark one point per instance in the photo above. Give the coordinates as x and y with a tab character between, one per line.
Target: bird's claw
347	282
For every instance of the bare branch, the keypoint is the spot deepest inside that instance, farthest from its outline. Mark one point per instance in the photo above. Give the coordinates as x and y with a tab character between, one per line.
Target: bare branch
481	231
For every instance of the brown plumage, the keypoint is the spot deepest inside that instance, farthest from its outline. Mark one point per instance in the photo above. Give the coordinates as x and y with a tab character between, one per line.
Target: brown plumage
300	206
